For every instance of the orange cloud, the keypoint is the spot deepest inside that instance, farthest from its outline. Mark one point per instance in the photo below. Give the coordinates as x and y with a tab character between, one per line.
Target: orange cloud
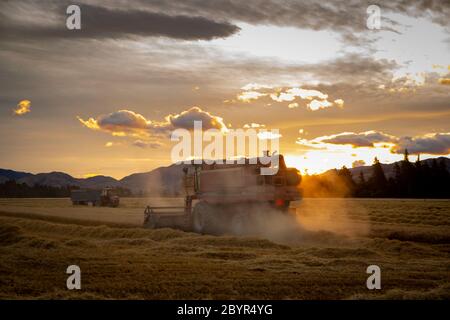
268	135
147	144
362	139
247	96
319	104
431	143
253	91
126	123
120	123
186	120
22	107
339	103
253	125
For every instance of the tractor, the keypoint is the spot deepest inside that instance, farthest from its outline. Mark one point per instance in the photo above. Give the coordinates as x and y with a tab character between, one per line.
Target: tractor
103	198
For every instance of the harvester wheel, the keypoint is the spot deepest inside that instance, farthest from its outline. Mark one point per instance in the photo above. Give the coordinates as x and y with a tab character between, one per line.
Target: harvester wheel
150	223
202	218
239	223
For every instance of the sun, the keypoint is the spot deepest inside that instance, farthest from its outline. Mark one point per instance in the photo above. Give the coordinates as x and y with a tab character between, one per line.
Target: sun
321	160
90	175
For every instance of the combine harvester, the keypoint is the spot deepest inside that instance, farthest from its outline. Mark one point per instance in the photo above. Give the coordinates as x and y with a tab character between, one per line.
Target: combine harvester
223	197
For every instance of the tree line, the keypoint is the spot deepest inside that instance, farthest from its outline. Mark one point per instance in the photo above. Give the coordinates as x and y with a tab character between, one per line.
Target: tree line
12	189
409	180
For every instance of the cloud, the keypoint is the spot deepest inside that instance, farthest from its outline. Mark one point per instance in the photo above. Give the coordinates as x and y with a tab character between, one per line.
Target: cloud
22	107
432	143
254	125
362	139
110	144
353	68
102	22
339	103
185	120
125	123
282	96
319	104
344	16
247	96
123	120
268	135
255	86
289	95
147	144
306	93
120	123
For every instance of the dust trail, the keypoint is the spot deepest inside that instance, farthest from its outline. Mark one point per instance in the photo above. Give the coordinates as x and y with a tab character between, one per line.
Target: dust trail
338	216
315	218
288	228
327	209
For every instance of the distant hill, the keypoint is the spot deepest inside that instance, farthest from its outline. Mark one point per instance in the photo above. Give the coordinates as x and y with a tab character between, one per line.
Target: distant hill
163	180
52	179
13	175
160	181
98	182
57	179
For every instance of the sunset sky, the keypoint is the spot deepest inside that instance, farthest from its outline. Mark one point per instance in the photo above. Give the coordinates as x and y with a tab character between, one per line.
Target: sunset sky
104	99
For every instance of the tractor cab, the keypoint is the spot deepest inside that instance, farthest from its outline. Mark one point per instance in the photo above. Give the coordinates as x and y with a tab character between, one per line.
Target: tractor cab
109	198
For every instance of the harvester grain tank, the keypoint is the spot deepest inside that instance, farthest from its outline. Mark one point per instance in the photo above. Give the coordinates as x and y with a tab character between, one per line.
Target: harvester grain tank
223	196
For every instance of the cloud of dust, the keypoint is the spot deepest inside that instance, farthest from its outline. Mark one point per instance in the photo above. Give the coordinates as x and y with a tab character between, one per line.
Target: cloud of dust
329	185
326	207
264	221
341	216
325	210
309	220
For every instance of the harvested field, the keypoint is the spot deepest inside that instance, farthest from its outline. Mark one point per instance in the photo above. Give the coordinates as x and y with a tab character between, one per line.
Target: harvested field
325	256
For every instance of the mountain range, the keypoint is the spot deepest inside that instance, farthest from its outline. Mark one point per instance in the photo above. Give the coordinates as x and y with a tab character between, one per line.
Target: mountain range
158	181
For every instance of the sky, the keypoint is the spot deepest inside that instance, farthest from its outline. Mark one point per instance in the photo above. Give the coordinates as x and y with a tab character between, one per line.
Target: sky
104	99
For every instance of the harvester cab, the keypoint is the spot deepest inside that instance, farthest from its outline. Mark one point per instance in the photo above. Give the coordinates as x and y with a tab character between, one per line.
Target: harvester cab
221	196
